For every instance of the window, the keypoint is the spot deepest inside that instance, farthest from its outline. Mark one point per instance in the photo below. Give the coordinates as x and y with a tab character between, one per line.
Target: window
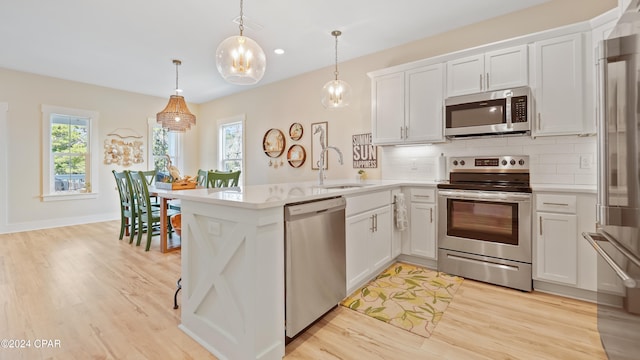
231	140
69	153
163	142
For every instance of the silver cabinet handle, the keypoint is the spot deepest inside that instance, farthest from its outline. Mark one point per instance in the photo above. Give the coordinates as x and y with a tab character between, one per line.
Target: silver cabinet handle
555	204
401	134
540	217
431	215
480	81
487	81
372	228
375	222
406	132
538	125
626	279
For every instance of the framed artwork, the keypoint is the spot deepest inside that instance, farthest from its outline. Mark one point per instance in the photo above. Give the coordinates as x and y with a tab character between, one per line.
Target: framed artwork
296	155
273	143
295	131
319	141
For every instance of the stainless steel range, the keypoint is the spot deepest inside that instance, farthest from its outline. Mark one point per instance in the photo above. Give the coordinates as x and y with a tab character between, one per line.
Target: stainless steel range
484	223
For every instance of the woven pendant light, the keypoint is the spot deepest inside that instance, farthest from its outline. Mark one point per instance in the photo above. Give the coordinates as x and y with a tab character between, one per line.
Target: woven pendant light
176	116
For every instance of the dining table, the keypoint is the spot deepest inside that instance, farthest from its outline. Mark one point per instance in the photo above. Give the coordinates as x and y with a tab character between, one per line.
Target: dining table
165	195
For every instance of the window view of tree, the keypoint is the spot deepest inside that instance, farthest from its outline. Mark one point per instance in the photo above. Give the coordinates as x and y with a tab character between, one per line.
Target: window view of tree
164	143
231	136
70	148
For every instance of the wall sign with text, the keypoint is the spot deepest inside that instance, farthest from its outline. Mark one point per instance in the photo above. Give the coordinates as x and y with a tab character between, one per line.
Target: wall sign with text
365	154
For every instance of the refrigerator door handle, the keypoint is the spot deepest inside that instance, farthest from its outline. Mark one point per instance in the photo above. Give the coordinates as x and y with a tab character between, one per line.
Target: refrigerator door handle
627	280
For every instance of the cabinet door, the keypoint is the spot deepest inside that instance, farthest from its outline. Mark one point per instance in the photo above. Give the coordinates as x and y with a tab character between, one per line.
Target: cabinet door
387	109
423	230
424	103
506	68
380	244
558	86
465	76
358	230
557	248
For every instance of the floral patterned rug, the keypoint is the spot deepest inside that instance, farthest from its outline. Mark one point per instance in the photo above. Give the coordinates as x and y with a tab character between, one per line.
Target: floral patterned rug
406	296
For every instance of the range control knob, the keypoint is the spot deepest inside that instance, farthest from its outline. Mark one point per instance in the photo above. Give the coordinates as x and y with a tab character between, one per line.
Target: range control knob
462	162
504	162
455	162
521	162
512	162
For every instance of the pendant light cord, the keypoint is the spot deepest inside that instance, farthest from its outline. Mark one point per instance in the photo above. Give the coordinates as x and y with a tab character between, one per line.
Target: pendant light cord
336	71
177	62
241	18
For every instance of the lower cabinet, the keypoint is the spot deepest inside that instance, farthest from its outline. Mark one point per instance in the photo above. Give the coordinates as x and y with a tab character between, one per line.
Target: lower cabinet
560	255
422	223
369	237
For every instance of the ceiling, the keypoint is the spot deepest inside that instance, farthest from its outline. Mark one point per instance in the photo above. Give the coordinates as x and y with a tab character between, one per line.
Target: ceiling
129	45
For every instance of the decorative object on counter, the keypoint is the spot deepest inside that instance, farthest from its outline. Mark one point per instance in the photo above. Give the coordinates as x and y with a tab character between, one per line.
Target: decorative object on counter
174	181
365	154
295	131
322	163
361	175
239	59
123	147
318	143
336	93
273	143
296	156
176	115
406	296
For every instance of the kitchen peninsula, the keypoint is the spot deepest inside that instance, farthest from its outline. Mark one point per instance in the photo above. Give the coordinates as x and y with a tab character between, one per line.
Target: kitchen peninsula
233	263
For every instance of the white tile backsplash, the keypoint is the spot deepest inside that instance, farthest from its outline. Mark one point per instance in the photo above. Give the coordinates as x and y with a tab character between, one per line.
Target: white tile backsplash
553	159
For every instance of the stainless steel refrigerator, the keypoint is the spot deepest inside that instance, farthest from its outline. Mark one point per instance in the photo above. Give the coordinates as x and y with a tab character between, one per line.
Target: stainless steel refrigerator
618	212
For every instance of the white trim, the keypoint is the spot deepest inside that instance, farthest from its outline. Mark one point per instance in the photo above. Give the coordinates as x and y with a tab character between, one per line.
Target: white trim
48	193
233	119
4	149
59	222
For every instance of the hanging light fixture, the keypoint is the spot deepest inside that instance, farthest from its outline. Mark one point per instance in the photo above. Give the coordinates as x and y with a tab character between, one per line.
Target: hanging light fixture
239	59
176	115
336	93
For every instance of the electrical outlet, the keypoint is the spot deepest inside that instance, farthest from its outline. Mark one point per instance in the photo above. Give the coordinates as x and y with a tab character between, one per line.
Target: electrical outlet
214	228
414	166
586	161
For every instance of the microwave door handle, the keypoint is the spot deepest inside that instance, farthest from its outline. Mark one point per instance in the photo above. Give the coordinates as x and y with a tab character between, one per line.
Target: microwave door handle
508	110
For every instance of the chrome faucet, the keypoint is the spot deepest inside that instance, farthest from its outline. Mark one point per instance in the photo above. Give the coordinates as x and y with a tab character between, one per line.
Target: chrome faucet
324	150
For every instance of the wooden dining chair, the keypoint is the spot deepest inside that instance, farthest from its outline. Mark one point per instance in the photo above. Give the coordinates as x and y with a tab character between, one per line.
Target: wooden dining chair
148	215
223	179
127	205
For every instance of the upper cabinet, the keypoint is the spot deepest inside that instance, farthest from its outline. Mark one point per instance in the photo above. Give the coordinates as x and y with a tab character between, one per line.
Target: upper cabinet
406	106
495	70
559	88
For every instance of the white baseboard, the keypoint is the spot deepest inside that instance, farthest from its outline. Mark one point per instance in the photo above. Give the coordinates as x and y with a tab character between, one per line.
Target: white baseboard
58	222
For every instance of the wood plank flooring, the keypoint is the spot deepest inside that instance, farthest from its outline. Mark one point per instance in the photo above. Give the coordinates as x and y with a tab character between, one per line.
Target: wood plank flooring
102	298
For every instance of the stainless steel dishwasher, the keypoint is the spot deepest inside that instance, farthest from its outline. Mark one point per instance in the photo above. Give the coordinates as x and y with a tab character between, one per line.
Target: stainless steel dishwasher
315	269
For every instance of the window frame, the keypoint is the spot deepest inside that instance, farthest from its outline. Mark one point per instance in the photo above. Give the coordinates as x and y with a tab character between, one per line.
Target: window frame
177	158
227	121
91	175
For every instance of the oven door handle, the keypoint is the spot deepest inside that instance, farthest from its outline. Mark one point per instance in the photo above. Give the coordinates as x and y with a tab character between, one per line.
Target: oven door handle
485	195
627	280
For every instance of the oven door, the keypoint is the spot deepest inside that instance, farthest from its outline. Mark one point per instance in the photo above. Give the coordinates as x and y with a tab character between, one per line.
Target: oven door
488	223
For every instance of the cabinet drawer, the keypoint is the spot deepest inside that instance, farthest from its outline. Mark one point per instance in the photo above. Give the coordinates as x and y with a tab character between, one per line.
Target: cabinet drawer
556	203
423	195
361	203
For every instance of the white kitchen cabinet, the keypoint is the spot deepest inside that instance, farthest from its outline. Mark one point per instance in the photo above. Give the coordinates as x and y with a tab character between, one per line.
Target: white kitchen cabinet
368	237
558	89
495	70
407	106
561	255
422	223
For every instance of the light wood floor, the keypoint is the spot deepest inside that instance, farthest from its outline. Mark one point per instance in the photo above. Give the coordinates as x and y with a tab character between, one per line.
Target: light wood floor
102	298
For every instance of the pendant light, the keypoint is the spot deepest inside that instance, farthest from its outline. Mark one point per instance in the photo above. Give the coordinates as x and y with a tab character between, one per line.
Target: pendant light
239	59
336	93
176	116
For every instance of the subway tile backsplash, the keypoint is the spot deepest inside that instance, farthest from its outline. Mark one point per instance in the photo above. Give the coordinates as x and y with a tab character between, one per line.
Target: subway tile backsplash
561	160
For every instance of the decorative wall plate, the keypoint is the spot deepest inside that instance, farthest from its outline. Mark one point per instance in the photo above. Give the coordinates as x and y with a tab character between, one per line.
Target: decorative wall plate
296	156
273	143
295	131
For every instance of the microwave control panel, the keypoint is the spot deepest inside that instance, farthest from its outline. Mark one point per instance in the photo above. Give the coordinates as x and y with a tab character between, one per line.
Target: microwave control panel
519	109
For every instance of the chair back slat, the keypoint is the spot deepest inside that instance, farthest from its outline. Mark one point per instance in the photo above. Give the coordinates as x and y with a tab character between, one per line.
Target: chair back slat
141	190
219	179
124	188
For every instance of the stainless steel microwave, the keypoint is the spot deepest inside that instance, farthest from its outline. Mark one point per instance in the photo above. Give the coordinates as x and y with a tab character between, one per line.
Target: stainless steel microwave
502	112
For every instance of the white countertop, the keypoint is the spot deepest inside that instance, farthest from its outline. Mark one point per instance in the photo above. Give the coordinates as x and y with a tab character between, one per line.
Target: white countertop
276	195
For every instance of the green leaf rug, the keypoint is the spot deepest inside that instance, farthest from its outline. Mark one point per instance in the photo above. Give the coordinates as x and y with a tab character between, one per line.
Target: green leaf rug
406	296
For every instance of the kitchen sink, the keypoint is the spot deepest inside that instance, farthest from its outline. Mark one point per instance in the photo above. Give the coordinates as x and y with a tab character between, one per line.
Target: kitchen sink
343	186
